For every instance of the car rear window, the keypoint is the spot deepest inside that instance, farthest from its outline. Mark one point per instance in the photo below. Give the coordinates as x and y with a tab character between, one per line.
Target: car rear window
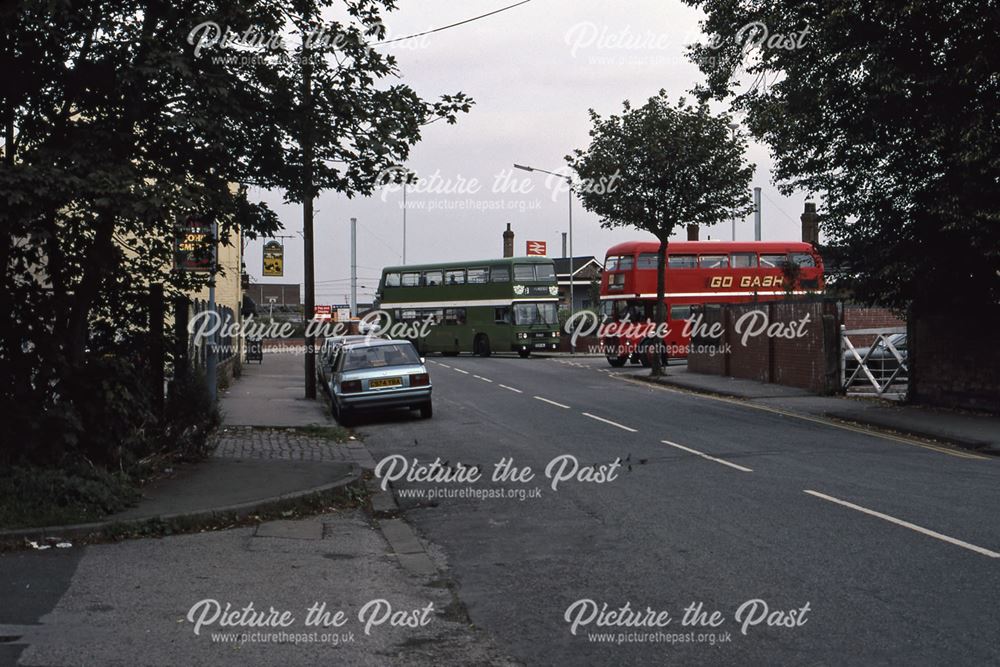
380	356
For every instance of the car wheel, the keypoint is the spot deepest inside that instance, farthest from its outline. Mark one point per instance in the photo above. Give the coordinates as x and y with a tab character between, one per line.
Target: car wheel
617	362
427	410
524	353
345	417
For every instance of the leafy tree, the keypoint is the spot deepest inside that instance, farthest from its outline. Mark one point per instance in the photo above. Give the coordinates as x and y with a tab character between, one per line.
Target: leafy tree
117	123
889	112
674	163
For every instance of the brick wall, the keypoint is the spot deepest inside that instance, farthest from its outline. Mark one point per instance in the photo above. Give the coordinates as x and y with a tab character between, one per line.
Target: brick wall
810	361
864	317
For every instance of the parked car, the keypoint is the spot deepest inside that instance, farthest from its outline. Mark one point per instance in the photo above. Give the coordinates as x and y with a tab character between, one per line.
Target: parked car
379	374
327	355
881	361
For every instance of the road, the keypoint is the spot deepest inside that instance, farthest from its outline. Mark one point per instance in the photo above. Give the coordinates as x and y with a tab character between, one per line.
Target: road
874	550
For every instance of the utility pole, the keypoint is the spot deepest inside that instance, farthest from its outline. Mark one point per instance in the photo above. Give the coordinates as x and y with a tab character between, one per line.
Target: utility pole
404	222
354	267
212	359
307	220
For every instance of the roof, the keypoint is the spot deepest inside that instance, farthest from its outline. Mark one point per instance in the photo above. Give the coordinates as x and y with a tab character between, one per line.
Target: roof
472	263
632	247
562	264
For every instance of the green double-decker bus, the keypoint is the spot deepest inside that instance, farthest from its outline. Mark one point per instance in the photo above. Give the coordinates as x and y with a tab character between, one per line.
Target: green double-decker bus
496	305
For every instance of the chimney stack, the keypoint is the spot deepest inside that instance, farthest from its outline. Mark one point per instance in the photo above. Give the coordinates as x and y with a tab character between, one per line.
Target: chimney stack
508	242
693	231
810	224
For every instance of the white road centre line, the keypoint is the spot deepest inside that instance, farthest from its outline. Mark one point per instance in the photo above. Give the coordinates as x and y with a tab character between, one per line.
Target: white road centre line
480	377
461	371
706	456
440	364
906	524
510	388
608	421
558	405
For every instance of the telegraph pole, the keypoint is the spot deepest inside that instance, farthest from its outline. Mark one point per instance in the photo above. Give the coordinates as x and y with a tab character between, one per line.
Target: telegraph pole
307	220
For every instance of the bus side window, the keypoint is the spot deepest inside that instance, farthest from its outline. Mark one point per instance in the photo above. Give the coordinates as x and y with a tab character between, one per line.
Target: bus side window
744	260
772	261
454	316
502	315
456	277
682	261
714	261
500	274
803	259
432	278
680	312
392	280
648	260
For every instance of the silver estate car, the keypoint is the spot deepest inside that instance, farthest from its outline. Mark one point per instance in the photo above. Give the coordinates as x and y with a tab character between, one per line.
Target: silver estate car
379	374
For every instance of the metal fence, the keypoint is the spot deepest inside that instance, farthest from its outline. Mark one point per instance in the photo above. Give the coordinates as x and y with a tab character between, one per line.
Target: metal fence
198	347
880	368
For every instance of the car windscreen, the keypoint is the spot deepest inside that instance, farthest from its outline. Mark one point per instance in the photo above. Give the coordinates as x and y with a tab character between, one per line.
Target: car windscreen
379	356
535	313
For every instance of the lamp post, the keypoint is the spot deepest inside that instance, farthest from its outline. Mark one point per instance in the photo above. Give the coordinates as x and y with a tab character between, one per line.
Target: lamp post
572	301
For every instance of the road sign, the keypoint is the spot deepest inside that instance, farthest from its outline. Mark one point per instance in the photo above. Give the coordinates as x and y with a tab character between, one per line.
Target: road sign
341	312
537	248
322	312
274	259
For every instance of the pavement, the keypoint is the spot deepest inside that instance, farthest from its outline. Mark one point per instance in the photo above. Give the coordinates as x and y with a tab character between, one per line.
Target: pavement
970	430
260	458
136	602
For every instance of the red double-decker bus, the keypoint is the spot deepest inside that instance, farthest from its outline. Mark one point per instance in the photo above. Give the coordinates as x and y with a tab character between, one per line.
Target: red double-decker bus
696	273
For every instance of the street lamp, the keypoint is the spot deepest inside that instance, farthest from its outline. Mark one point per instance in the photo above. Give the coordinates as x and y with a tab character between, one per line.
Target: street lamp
569	181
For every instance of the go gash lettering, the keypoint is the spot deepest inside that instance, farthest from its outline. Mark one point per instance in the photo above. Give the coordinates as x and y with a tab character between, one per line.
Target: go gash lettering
751	324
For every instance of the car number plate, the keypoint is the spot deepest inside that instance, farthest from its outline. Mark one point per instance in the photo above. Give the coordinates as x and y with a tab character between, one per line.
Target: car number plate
385	382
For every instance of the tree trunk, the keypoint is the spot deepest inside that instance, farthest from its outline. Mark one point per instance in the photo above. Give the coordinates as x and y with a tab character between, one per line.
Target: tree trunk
659	314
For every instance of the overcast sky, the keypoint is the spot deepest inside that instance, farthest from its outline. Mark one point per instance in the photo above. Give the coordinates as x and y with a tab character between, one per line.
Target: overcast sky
534	71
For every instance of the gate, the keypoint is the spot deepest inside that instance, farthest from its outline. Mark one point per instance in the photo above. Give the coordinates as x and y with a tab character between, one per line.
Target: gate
880	368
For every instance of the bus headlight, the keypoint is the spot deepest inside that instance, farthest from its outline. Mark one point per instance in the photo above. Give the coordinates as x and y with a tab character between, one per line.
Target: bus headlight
522	335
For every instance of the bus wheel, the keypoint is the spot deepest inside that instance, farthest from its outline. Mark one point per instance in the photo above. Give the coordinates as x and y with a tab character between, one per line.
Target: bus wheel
524	353
482	345
615	361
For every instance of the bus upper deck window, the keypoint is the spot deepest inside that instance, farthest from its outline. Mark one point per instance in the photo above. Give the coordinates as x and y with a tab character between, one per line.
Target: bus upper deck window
432	278
647	260
772	261
626	262
411	279
545	272
611	263
500	274
803	259
743	260
524	272
477	276
682	261
392	280
714	261
455	277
